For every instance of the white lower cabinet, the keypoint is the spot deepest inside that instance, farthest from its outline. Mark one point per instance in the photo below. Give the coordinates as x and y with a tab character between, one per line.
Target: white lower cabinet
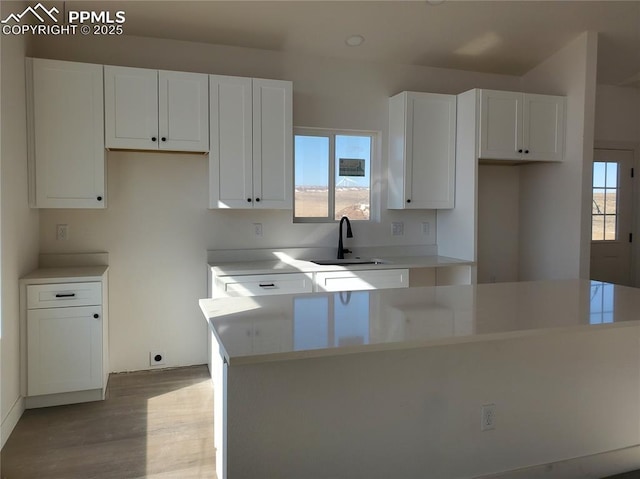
292	283
263	284
362	280
66	332
65	350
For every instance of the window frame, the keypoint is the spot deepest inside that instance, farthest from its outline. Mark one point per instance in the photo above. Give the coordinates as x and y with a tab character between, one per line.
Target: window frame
331	134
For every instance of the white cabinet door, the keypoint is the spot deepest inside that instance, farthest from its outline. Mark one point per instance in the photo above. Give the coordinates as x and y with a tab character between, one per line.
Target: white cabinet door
183	111
272	144
67	134
131	108
543	127
230	155
500	124
422	136
251	152
65	350
521	126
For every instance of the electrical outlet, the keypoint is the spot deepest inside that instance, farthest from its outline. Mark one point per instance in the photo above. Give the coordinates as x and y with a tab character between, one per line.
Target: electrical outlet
488	417
62	232
397	228
426	228
257	229
156	358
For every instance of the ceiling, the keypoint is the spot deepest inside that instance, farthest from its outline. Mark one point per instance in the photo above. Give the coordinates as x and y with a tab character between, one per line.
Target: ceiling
508	37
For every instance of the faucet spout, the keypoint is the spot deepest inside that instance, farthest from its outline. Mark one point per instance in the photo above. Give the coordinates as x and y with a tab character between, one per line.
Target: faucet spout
341	249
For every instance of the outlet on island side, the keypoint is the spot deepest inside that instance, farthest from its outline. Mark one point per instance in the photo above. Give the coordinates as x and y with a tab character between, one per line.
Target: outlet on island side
62	232
397	228
156	358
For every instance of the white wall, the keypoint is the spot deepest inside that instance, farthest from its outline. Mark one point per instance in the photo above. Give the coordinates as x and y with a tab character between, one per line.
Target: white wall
498	218
19	228
157	228
555	221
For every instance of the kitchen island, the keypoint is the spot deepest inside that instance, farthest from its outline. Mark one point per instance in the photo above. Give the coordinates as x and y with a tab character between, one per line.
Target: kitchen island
392	383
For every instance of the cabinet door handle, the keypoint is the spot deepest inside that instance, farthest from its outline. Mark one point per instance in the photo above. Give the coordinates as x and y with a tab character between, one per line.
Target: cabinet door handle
153	138
99	198
526	152
248	200
267	285
409	201
163	138
520	151
258	199
96	316
65	295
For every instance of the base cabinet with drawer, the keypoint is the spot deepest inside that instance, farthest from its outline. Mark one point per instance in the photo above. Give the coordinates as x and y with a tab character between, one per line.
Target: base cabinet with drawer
65	315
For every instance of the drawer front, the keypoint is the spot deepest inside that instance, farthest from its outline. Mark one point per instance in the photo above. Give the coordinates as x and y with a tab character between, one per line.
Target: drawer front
62	295
261	285
362	280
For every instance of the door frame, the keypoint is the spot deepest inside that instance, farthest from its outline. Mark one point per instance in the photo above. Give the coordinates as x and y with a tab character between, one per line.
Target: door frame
634	147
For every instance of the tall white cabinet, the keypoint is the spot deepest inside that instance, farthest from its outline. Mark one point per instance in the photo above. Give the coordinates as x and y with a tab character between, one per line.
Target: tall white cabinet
251	151
66	134
422	136
521	126
156	110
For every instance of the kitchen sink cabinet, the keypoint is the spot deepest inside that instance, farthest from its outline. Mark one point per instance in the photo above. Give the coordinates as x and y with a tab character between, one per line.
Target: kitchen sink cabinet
156	110
422	144
66	134
65	320
521	126
251	151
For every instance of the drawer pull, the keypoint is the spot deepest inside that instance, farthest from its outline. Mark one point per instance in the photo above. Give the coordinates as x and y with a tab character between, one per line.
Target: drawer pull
267	285
65	295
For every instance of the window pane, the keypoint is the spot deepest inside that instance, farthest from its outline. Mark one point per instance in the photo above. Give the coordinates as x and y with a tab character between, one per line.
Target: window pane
612	175
353	176
311	176
597	206
597	227
598	174
610	201
610	227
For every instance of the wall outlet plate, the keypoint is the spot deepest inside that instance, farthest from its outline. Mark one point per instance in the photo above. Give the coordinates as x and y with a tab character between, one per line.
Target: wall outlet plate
397	228
156	358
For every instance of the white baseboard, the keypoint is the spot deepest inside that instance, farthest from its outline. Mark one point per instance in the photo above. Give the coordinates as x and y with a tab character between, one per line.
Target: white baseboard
11	420
587	467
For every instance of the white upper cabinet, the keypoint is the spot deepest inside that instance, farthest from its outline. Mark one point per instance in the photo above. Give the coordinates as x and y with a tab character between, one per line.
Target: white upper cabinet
521	126
422	138
156	110
66	134
251	151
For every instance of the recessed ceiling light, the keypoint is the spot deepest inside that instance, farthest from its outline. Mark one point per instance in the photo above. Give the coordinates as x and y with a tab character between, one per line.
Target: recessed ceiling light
354	40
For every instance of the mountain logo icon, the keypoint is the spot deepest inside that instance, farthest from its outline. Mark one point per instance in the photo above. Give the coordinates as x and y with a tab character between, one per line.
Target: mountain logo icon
40	12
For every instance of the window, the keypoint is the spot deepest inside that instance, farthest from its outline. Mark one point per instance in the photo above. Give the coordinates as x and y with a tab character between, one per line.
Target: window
332	175
604	213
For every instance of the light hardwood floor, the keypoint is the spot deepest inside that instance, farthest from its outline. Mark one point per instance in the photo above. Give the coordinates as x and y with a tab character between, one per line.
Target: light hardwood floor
153	424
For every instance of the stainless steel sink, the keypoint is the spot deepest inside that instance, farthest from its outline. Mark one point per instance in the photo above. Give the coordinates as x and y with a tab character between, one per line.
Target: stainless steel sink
346	262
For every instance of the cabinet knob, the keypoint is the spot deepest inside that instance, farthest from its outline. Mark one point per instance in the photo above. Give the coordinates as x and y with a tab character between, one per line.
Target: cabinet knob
526	151
520	151
96	316
163	138
99	198
409	201
248	200
153	138
258	199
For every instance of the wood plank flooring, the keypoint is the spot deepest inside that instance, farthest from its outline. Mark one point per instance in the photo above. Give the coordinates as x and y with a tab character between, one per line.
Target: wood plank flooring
153	424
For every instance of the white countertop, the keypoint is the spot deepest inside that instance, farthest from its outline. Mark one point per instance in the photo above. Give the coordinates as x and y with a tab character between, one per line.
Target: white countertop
290	265
71	274
259	329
